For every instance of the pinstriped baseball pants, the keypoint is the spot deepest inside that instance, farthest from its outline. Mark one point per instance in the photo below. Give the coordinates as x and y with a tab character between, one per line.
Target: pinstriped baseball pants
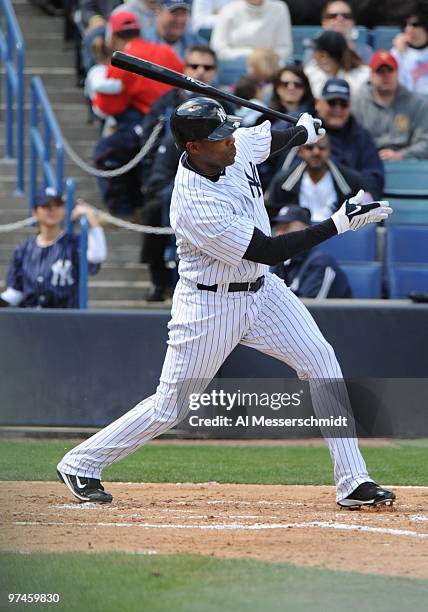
204	329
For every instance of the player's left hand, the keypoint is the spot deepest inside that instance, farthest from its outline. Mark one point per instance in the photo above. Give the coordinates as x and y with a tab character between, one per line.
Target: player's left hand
313	127
353	214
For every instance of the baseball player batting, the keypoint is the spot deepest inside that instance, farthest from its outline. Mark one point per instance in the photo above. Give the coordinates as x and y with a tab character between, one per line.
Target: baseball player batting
226	295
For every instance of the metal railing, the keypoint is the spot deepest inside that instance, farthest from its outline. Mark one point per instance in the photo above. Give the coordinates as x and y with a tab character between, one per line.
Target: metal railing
12	54
44	132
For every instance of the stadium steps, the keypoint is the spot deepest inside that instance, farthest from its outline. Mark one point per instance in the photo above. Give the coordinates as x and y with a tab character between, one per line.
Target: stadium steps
122	282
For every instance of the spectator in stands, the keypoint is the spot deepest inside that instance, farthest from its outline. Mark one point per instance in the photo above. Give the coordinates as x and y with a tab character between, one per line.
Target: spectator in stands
263	64
91	20
411	50
138	93
396	118
204	13
333	58
144	10
292	93
249	88
44	271
172	27
337	16
351	144
317	183
243	25
96	80
313	274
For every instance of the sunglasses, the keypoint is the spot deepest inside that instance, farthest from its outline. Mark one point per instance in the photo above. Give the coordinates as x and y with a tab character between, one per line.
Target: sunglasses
414	24
336	15
204	66
320	146
296	84
338	102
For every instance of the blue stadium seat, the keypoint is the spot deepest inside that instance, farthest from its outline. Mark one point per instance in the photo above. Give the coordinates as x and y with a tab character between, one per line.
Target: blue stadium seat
406	178
408	211
407	244
205	33
406	259
353	246
230	71
365	279
301	35
383	36
403	279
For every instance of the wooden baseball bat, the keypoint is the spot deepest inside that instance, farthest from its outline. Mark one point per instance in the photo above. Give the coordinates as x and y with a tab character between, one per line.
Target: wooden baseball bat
176	79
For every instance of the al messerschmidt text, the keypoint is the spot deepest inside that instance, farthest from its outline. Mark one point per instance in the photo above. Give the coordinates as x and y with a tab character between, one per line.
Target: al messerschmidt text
257	421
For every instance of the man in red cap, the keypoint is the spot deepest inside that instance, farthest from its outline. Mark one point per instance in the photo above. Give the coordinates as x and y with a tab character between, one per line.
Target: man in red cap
138	93
396	118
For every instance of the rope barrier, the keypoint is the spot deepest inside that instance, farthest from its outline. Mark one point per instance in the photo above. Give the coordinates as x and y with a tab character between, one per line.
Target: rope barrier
123	169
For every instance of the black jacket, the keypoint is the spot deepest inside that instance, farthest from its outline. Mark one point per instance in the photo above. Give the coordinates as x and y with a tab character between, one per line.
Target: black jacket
285	187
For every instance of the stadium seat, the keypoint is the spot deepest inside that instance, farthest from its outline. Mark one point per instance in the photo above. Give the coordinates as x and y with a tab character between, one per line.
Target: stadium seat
365	279
403	279
230	71
408	211
205	33
382	37
406	178
353	246
302	35
407	244
406	259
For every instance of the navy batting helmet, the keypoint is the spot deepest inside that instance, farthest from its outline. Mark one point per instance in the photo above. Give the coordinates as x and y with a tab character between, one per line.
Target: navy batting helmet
201	119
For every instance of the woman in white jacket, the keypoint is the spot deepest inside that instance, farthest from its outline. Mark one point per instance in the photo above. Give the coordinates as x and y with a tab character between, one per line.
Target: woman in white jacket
333	58
244	25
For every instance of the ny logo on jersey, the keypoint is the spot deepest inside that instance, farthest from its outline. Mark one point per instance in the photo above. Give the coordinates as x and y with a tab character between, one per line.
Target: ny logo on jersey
61	273
254	181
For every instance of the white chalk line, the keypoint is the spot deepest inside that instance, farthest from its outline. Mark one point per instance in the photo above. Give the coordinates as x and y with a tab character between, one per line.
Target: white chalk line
237	526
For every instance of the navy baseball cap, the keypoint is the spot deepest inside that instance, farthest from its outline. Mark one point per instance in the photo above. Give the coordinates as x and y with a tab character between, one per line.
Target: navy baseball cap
47	195
332	43
287	214
336	88
171	5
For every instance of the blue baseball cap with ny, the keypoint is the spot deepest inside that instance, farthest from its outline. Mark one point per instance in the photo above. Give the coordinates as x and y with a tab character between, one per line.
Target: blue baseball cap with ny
287	214
47	195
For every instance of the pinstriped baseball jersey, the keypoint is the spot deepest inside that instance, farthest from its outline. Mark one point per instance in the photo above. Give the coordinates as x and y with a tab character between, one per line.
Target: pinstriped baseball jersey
214	221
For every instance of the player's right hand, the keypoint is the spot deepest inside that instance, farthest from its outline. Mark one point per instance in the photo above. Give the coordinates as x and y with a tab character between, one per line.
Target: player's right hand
353	214
312	126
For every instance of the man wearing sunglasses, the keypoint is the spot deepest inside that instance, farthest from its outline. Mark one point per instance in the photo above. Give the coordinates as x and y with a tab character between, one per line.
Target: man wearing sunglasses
351	145
317	184
396	118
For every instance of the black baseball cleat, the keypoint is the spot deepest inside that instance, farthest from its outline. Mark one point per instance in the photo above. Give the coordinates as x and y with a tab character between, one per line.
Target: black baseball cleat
368	494
85	489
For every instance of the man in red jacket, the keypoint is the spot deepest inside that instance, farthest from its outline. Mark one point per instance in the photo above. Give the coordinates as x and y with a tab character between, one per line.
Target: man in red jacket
138	93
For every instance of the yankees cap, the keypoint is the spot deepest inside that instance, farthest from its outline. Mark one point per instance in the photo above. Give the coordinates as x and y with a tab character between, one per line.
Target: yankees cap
287	214
47	195
336	88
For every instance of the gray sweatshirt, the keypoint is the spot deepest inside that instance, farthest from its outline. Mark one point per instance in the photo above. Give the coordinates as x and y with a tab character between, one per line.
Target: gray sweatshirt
401	126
